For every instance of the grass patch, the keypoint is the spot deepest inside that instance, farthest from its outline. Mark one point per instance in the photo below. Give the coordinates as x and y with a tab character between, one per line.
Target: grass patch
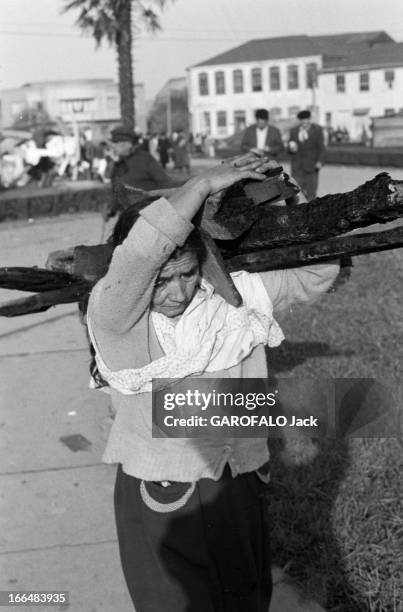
335	505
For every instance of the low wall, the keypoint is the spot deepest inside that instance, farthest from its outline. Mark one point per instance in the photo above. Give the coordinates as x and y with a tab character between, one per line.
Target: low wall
348	155
32	202
352	155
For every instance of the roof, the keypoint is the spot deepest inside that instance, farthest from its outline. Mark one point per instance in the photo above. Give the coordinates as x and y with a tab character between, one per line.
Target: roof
352	37
295	46
263	49
67	82
379	56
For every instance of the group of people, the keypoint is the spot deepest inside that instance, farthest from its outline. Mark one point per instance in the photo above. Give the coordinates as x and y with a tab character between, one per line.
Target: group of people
52	155
305	146
174	149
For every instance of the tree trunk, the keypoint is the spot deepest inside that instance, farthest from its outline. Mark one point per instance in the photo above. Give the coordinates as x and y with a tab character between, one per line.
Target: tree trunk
125	63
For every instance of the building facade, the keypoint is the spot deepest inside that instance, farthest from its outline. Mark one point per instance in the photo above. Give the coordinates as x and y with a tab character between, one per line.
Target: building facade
88	102
288	74
360	87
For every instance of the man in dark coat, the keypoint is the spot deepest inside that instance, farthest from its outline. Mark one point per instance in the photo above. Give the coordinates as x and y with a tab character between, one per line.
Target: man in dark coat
261	137
134	166
307	148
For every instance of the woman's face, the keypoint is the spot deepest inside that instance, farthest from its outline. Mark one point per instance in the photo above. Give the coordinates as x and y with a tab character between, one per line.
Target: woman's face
176	285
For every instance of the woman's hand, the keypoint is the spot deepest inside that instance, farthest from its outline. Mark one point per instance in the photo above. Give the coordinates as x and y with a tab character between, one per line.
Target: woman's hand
226	174
188	198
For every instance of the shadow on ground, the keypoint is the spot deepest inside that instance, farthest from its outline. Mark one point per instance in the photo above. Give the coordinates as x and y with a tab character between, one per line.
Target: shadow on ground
291	354
301	502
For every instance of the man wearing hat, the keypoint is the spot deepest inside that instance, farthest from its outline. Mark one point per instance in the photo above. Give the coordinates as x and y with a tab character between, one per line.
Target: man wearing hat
306	146
133	165
262	138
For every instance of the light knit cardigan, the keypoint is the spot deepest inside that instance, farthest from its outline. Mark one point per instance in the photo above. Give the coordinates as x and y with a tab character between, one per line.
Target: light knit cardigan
119	311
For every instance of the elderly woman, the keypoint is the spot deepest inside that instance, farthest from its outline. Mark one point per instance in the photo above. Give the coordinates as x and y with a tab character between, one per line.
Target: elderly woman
190	513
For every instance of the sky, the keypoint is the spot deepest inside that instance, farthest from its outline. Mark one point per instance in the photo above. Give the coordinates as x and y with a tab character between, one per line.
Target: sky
38	42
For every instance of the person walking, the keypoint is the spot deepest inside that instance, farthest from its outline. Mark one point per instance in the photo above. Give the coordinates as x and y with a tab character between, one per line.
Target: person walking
181	153
261	137
306	147
191	513
164	146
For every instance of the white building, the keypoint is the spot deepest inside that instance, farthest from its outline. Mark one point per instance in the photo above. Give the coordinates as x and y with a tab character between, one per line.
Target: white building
88	102
367	83
286	75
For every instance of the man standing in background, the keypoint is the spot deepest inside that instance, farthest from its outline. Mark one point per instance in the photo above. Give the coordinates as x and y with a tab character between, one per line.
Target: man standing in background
307	148
134	166
262	138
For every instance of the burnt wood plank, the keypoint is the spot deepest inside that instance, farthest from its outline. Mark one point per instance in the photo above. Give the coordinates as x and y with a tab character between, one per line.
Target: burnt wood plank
316	252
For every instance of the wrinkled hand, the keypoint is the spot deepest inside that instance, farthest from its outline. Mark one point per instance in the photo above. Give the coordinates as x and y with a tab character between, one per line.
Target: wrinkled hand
223	176
209	184
240	161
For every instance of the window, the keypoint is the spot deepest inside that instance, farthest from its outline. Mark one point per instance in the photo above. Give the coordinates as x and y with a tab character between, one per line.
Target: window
292	77
205	121
311	75
389	77
203	84
274	78
340	83
364	81
237	76
219	83
293	111
275	113
221	123
328	119
389	112
77	105
256	79
239	120
222	119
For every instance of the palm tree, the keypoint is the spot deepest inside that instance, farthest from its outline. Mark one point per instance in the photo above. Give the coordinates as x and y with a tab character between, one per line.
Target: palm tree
112	20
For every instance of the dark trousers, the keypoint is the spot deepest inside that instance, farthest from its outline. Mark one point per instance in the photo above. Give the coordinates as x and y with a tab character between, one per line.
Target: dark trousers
308	181
211	555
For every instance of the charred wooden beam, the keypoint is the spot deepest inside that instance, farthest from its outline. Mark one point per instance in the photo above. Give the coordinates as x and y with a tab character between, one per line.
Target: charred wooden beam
377	201
316	252
43	301
35	279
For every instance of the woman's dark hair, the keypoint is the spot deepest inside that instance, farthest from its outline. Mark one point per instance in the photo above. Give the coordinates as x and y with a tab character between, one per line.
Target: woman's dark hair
128	218
124	224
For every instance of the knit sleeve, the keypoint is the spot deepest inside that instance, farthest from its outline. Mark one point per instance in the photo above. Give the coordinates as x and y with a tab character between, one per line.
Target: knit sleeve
122	296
